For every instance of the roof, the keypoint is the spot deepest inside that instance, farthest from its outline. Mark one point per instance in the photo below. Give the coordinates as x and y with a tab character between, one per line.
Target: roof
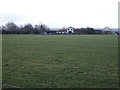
62	31
106	29
51	31
70	27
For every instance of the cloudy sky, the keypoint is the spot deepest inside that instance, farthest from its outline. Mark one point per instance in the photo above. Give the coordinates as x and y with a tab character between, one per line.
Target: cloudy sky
61	13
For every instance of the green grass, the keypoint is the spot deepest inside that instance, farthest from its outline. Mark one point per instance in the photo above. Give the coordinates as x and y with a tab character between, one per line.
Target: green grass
60	61
0	61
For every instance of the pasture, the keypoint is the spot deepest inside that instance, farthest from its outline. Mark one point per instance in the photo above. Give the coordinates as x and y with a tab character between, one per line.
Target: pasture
60	61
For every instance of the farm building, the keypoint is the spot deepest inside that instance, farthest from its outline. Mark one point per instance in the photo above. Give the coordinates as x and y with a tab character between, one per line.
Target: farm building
61	31
69	30
107	30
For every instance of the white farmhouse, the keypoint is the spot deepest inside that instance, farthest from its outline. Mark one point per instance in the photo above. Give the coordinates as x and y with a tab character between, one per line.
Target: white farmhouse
70	30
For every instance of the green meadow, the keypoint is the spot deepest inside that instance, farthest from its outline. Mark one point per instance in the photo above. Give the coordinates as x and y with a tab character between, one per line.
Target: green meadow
60	61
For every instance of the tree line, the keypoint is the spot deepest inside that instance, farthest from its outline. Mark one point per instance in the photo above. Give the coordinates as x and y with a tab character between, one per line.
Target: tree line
12	28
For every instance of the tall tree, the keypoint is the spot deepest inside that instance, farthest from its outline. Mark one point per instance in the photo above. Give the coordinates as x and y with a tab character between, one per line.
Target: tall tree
11	27
41	29
90	30
28	29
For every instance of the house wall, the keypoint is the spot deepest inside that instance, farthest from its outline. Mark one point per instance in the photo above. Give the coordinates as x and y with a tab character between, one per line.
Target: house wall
70	29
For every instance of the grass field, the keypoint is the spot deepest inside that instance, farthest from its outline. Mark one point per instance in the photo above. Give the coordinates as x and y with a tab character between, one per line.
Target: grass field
0	61
60	61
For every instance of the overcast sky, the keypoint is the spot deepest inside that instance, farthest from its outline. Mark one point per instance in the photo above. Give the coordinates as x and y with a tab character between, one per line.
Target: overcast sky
60	13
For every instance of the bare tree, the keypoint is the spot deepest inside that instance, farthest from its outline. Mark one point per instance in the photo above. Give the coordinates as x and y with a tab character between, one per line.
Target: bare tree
11	27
